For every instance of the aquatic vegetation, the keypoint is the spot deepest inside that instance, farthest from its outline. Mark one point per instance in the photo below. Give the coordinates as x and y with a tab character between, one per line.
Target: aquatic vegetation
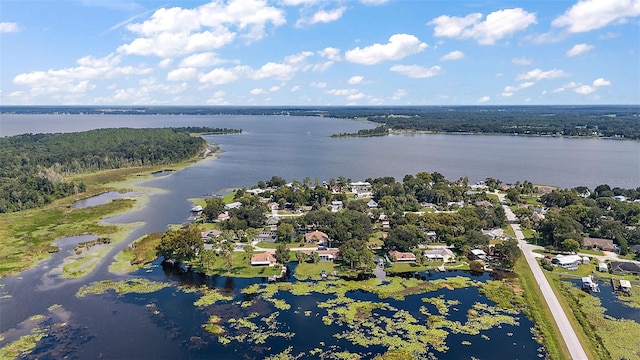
609	337
285	355
212	325
633	300
54	307
253	333
441	304
506	294
135	285
23	346
210	297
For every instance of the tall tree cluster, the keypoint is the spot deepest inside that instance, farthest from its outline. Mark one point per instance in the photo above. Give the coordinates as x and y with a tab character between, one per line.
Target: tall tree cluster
34	167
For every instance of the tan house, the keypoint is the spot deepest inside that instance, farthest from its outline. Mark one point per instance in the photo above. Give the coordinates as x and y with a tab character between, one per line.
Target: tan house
317	237
598	244
402	256
263	259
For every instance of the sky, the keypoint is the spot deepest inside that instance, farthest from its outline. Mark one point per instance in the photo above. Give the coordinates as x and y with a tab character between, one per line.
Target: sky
319	52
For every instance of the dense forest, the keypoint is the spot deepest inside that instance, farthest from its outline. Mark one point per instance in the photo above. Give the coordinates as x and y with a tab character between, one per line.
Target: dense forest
34	167
619	121
377	131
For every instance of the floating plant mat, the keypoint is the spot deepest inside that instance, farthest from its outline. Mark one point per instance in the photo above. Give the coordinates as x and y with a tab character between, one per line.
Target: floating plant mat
334	319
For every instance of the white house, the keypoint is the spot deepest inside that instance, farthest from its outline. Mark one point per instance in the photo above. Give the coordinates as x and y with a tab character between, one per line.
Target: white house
233	205
439	254
569	262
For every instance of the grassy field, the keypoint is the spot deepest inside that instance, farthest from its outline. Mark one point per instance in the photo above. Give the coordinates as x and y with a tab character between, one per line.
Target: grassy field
240	267
141	252
312	271
549	333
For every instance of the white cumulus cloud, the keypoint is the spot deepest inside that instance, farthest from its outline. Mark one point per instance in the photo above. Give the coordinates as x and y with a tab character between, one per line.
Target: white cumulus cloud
416	71
579	49
484	99
182	74
322	16
257	91
587	15
584	89
178	31
601	82
521	61
497	25
399	94
454	55
537	74
330	53
204	59
220	76
398	47
8	27
354	80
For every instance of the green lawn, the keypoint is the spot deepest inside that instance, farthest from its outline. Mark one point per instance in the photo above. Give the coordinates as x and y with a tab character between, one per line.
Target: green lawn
240	267
312	271
591	252
531	200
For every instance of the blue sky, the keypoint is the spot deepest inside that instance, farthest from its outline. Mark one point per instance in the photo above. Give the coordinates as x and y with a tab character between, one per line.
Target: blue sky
319	52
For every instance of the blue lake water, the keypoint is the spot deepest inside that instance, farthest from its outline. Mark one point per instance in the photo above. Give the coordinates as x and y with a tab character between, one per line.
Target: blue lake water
291	147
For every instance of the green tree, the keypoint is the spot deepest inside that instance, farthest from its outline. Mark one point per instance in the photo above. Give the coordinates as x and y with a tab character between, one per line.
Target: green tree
301	257
285	232
282	253
570	245
248	252
181	245
508	253
213	208
207	259
227	248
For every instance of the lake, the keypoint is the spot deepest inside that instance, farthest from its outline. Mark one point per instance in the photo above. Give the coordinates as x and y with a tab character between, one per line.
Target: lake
296	147
166	324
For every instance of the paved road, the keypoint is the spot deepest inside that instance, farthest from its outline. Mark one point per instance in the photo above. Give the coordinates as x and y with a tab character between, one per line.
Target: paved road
567	332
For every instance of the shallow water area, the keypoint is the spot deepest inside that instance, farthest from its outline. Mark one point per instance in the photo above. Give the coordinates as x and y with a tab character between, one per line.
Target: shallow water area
102	199
611	302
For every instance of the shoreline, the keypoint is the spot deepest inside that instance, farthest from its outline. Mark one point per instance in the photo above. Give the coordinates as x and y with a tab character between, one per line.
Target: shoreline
27	257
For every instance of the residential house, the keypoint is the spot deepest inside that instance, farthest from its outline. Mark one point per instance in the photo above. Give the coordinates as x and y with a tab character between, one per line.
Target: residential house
598	244
272	221
569	262
336	205
233	205
361	188
484	204
263	259
317	237
625	267
493	233
402	256
266	236
440	254
325	255
223	216
372	204
256	191
634	249
621	198
477	254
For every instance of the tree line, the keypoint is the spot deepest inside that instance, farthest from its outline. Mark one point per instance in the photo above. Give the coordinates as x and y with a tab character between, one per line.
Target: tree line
34	167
